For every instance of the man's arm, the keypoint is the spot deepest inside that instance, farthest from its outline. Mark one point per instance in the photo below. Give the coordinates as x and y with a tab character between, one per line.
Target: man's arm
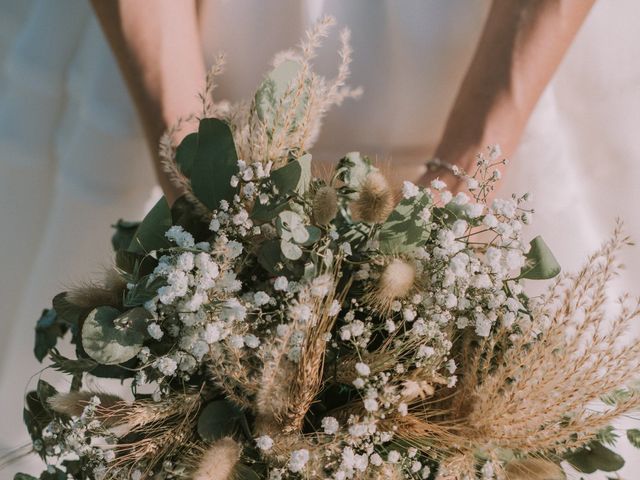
157	46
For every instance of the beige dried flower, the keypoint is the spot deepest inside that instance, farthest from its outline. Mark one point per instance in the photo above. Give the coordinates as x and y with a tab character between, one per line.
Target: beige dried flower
219	460
325	205
72	404
376	200
91	295
397	281
533	469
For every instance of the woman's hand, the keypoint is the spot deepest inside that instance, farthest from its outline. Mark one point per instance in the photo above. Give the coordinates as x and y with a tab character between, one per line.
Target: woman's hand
521	46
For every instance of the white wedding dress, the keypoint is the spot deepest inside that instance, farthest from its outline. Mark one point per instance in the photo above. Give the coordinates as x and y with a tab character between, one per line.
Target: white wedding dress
72	160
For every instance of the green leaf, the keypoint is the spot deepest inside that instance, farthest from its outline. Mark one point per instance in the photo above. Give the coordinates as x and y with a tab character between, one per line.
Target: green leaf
268	211
48	330
633	435
56	474
404	230
144	290
245	473
295	176
186	153
215	163
353	168
291	227
45	391
123	235
541	264
594	457
272	90
55	322
218	419
313	235
111	338
150	235
184	214
290	250
23	476
269	256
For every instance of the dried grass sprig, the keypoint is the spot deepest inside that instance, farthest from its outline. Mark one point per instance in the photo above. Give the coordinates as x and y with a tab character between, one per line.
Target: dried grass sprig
534	393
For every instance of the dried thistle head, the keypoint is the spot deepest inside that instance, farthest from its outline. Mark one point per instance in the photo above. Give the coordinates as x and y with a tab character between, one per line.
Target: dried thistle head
375	201
396	281
218	461
533	469
325	205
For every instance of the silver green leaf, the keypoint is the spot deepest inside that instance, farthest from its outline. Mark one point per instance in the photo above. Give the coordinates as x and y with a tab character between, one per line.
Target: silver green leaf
290	250
110	337
541	264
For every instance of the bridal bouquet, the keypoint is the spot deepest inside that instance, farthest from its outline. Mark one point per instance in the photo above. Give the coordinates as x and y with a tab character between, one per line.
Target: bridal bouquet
273	325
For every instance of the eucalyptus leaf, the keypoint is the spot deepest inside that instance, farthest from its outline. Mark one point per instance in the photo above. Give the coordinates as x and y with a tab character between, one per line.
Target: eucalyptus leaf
45	391
216	161
53	474
218	419
186	154
48	330
313	235
290	250
184	214
295	176
150	235
245	472
404	229
23	476
268	211
107	340
269	256
291	227
541	264
123	235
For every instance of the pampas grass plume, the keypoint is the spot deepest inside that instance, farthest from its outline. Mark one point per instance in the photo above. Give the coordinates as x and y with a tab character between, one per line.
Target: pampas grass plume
533	469
375	202
325	205
218	461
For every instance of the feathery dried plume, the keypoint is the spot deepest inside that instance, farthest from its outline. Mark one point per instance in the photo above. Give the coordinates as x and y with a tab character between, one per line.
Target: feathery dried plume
325	205
72	404
396	281
375	201
219	460
94	294
506	404
533	469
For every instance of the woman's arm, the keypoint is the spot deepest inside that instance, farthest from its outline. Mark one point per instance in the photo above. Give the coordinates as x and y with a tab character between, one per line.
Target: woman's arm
520	48
157	46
